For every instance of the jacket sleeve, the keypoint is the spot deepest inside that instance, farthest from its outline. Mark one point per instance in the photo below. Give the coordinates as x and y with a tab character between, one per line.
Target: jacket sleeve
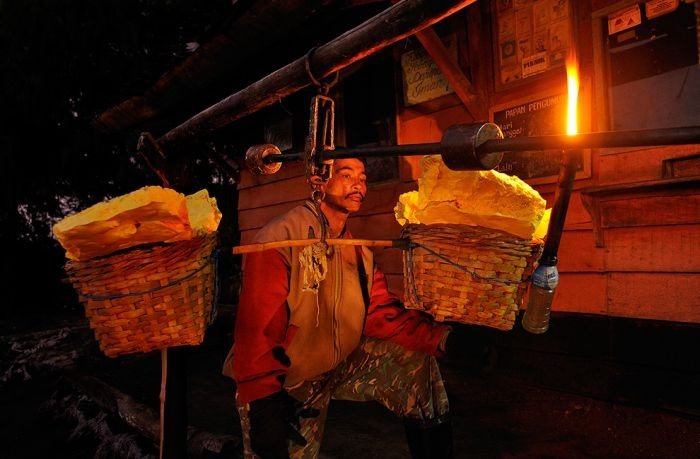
261	333
388	319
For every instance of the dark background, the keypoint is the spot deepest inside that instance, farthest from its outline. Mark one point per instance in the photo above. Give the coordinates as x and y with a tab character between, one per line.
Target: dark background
64	62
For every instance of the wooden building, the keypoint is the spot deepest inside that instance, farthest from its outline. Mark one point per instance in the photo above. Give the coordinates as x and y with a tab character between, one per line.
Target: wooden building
630	254
631	242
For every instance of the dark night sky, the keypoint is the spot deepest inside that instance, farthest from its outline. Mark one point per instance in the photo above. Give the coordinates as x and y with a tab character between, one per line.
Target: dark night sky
63	62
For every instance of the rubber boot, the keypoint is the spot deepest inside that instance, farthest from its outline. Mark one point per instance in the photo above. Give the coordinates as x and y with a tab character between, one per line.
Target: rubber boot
430	439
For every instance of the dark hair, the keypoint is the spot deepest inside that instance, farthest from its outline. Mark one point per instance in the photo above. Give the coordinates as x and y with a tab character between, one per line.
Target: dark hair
362	160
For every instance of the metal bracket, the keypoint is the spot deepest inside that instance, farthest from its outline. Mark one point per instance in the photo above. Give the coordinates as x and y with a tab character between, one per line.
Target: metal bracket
319	140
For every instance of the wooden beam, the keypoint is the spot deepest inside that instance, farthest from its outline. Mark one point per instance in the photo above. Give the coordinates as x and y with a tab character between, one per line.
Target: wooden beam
650	203
173	403
388	27
454	74
261	25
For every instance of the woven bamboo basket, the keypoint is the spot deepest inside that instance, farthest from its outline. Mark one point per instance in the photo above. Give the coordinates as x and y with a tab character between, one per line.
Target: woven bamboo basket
467	274
150	297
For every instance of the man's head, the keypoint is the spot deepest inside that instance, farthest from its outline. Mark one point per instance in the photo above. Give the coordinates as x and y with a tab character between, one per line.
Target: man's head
347	187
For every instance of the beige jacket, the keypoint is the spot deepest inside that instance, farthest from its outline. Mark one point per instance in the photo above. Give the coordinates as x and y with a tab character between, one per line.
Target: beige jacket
328	325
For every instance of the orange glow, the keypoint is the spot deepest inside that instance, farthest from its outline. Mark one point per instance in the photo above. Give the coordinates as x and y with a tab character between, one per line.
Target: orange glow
572	83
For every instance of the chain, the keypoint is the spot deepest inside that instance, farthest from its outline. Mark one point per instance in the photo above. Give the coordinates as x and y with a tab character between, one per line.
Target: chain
321	134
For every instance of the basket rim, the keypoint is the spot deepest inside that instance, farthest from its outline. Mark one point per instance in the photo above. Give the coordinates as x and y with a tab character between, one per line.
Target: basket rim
470	228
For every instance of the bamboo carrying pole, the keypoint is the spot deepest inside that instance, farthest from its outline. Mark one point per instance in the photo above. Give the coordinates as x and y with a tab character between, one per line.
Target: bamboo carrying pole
241	249
397	22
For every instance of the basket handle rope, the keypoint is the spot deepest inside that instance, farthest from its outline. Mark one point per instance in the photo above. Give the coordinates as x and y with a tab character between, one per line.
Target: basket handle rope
414	245
262	246
213	258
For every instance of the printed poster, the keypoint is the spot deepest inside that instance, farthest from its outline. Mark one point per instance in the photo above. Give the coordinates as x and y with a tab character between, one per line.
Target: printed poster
655	8
532	37
624	19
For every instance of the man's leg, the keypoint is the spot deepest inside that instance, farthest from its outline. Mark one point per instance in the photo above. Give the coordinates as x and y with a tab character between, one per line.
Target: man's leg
406	382
315	394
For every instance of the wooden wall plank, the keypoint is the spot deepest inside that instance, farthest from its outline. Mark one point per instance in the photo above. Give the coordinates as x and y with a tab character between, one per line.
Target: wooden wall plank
427	107
273	193
289	170
577	217
650	211
425	129
653	249
258	217
578	253
383	198
378	226
658	296
582	293
639	164
687	166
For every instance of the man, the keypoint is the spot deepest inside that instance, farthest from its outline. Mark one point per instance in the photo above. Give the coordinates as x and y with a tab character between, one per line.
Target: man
294	350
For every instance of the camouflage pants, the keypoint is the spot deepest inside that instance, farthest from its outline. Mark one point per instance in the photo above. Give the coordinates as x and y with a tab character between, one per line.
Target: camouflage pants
406	382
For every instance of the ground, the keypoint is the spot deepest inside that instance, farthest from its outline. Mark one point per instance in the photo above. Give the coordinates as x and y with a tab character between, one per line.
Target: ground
494	415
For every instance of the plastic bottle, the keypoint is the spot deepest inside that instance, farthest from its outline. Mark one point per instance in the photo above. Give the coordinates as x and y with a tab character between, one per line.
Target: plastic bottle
544	280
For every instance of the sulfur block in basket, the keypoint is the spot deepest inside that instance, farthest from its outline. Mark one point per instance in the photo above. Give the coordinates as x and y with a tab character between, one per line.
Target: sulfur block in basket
150	214
473	243
488	199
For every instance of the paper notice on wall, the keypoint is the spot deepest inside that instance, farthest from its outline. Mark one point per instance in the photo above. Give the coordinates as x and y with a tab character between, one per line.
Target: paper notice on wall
656	8
523	23
624	19
533	37
534	64
509	53
540	16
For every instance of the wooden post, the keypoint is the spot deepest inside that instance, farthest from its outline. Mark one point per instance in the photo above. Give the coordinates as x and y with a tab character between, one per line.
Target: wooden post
459	81
391	25
173	404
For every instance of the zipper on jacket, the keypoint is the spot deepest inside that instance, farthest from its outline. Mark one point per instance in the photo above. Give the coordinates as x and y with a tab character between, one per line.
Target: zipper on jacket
337	295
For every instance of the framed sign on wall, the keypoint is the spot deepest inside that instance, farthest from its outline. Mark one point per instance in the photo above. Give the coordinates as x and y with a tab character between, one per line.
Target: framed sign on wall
422	79
530	38
539	114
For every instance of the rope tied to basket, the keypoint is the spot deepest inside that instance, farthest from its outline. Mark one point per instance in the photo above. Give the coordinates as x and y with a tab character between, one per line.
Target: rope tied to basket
465	273
415	245
411	246
213	258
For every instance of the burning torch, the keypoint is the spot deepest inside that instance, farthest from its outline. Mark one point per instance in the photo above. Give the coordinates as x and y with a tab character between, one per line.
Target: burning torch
546	276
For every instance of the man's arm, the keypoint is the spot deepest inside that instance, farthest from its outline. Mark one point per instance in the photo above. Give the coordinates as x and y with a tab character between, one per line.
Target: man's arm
387	319
261	333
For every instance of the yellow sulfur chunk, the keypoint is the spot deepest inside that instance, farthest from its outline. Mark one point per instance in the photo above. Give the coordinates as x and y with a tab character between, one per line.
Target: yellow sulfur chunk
541	230
485	198
203	213
150	214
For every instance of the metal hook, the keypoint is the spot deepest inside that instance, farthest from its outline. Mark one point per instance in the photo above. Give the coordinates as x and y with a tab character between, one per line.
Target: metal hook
323	86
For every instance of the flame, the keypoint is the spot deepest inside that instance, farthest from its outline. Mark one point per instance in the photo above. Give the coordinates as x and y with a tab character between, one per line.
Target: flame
572	83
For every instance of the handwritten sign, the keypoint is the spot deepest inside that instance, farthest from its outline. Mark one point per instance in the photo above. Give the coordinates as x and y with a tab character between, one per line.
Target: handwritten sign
423	80
544	116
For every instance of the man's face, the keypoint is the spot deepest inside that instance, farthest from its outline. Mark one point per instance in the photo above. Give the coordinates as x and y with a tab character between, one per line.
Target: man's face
347	187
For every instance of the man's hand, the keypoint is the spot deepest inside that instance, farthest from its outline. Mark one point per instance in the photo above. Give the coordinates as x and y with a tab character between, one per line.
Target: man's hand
274	421
471	348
